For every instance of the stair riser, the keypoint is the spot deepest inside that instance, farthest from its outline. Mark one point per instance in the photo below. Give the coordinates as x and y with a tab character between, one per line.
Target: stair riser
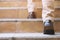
24	4
11	13
17	4
25	27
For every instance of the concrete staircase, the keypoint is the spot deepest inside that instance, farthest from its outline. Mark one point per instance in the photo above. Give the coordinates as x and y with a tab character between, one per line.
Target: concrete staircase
14	24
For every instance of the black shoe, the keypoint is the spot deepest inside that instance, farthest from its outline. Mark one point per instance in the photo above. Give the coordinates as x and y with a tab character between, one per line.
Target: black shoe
48	27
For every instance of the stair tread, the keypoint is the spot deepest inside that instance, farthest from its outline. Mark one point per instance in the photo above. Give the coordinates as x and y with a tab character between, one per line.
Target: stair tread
28	35
39	19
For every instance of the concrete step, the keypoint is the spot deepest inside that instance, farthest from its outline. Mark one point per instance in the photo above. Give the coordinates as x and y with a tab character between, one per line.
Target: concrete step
28	36
24	4
25	26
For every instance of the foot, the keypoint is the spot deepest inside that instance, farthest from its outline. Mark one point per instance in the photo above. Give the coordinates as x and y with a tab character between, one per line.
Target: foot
48	23
32	15
48	27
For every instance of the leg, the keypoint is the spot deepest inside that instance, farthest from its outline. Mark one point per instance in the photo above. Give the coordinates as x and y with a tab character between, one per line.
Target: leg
48	16
31	9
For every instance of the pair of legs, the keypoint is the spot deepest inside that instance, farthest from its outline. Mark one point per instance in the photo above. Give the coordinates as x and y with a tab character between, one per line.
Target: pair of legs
47	14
